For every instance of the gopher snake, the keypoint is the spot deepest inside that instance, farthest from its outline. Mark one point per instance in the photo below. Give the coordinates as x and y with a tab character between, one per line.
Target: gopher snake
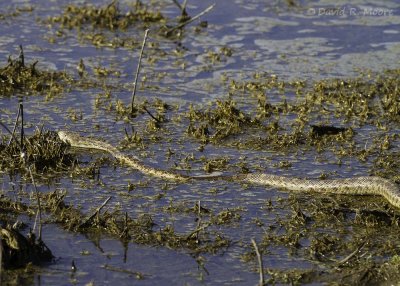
354	186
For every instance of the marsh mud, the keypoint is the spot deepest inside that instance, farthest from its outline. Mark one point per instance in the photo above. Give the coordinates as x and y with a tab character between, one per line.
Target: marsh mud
287	87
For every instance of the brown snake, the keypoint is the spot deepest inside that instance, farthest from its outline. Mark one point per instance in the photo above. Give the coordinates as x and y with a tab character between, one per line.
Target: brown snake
353	186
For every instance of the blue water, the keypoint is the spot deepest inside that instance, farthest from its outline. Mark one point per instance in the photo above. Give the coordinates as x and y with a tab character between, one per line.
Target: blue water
310	41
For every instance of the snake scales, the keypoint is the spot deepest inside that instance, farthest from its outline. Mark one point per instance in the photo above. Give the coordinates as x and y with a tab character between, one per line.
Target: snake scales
354	186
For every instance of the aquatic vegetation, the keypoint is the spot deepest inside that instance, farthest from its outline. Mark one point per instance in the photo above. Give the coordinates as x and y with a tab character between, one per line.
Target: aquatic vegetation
218	123
16	12
213	58
262	122
108	16
99	25
140	230
311	228
95	23
18	250
317	229
18	77
320	114
43	151
361	98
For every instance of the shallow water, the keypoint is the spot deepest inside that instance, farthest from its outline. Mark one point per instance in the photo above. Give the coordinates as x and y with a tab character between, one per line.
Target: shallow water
308	41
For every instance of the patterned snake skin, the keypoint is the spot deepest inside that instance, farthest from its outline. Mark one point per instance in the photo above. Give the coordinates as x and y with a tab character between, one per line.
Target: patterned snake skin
353	186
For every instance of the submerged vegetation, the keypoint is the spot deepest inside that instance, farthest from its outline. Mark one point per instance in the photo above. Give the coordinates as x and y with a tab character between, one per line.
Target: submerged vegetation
270	122
43	151
108	16
19	251
324	116
19	78
97	24
315	229
18	11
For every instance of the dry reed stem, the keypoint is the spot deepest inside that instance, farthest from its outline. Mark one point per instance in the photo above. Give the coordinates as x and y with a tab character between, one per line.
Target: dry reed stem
138	71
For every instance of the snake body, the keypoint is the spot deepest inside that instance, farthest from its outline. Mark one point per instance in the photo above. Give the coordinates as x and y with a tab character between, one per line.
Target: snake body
354	186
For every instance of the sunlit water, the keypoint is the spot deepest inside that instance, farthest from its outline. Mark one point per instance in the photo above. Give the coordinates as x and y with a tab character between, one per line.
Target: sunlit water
308	41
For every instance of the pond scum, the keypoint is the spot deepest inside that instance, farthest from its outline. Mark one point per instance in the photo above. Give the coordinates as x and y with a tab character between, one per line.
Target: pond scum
363	256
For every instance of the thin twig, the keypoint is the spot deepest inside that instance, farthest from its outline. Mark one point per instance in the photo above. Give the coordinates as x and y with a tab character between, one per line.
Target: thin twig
124	232
138	70
13	132
21	107
21	56
1	255
15	127
12	135
39	213
94	213
350	256
191	20
198	217
177	4
111	4
40	130
6	128
151	115
198	229
199	209
260	263
181	7
73	266
117	269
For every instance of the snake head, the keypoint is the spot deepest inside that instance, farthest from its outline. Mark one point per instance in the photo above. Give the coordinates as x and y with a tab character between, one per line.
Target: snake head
64	137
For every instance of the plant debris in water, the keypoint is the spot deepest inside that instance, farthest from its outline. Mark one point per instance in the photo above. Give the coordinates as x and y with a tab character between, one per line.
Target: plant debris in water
16	12
99	24
219	122
18	250
43	151
108	16
344	240
342	237
323	116
18	77
95	23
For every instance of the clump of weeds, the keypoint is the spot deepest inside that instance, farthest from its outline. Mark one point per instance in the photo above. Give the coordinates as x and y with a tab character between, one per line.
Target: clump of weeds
19	77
